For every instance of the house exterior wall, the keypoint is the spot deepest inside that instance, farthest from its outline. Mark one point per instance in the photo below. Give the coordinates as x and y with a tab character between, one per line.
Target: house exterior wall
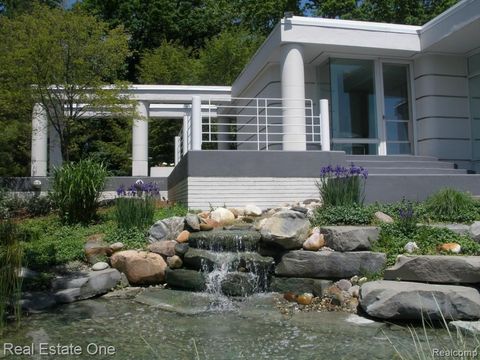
442	110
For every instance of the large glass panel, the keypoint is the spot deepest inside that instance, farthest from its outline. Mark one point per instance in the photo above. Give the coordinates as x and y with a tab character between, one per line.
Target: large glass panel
356	149
353	99
397	108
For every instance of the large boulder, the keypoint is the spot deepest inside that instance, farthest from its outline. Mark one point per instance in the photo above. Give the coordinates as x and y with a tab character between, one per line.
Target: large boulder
350	238
252	210
474	231
436	269
166	229
96	249
85	286
329	264
225	240
192	222
140	267
394	300
286	228
185	279
165	248
316	287
239	284
222	215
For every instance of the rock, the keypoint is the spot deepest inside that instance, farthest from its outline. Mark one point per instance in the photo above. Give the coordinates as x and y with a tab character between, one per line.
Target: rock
185	279
164	247
206	227
305	299
474	231
460	229
85	286
222	215
343	284
470	327
350	238
140	267
290	296
100	266
181	249
450	247
166	229
436	269
299	209
226	240
354	291
238	284
383	218
204	214
315	242
410	247
300	285
336	295
38	301
252	210
362	281
286	228
326	264
394	300
184	235
116	246
174	262
209	224
96	249
199	259
354	280
26	273
192	222
311	201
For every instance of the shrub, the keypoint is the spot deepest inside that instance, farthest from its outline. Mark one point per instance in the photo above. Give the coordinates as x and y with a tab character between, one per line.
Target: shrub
344	215
133	212
76	190
39	205
10	264
452	206
342	186
169	211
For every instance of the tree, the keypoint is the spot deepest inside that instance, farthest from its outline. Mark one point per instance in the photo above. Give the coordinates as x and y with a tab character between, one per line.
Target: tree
62	60
413	12
168	64
225	56
12	7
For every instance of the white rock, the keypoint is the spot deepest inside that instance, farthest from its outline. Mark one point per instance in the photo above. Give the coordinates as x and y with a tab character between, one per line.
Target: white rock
117	246
410	247
222	215
100	266
252	210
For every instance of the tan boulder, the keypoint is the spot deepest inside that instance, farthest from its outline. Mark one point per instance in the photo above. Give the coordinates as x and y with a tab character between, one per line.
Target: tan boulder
96	249
383	218
165	247
174	262
315	242
183	236
222	215
140	267
305	299
450	247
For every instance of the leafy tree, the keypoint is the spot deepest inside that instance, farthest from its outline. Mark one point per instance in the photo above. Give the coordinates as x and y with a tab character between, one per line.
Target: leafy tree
12	7
63	60
225	56
168	64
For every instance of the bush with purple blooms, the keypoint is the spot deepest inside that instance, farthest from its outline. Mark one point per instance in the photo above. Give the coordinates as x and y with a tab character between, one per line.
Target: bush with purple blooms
342	186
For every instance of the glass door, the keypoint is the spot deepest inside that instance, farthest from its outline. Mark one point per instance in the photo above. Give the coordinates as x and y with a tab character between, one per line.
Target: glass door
353	105
397	109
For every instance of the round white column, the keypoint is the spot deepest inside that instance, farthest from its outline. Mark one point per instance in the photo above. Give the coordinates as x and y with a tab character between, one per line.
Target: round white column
293	95
39	152
140	141
223	136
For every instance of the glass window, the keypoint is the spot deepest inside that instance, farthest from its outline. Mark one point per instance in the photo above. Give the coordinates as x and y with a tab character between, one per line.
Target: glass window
353	99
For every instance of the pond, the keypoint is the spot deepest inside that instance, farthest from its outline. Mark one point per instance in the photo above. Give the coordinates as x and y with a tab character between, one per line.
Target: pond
250	328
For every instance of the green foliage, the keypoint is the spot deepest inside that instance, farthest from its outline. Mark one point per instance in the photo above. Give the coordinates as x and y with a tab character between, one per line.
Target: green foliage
39	205
341	191
132	238
10	262
76	190
344	215
393	240
134	212
169	211
452	206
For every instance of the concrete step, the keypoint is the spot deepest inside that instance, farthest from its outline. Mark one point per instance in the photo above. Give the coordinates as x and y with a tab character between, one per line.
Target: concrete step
390	158
405	164
413	171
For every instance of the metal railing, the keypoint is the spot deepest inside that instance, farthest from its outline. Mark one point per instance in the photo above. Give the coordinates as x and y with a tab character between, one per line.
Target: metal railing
254	124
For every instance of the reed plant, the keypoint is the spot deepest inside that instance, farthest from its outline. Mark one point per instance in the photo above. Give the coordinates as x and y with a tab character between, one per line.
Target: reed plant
11	255
452	205
342	186
76	190
134	212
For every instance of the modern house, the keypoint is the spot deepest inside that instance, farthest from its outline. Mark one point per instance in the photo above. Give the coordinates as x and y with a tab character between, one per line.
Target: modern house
404	101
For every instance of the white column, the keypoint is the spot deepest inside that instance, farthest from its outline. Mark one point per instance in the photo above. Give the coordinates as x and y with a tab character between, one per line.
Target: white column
196	123
185	134
293	94
140	141
39	141
324	125
178	155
